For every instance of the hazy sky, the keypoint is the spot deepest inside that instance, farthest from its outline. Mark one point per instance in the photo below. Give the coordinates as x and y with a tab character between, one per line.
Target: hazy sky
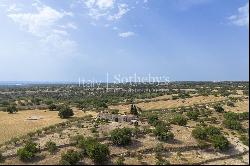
52	40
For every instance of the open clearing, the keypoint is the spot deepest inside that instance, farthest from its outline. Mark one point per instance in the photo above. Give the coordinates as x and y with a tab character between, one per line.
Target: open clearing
13	125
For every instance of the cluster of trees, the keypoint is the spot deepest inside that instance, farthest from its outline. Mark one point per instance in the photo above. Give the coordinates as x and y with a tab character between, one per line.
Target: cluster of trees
213	135
181	95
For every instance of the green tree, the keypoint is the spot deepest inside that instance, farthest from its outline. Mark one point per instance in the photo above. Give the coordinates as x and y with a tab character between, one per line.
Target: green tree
11	109
220	142
193	115
179	120
199	133
219	108
133	110
71	157
65	112
162	132
232	124
153	119
28	151
52	107
121	137
1	157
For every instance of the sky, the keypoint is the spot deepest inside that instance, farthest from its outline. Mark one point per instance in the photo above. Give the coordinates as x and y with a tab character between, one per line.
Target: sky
184	40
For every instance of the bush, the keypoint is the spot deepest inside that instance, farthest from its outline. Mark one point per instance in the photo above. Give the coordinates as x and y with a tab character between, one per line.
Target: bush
120	161
163	133
179	120
65	112
28	151
51	146
163	162
52	107
219	108
71	157
11	109
153	119
244	116
193	115
121	137
199	133
1	158
231	116
98	152
232	124
77	139
203	144
220	142
133	110
230	104
211	131
95	150
244	139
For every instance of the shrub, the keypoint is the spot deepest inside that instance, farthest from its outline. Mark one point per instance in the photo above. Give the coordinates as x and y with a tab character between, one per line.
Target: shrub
98	152
71	157
65	112
199	133
11	109
244	116
95	150
230	104
220	142
121	137
203	144
76	139
179	120
52	107
133	110
51	146
163	162
1	158
244	139
153	119
193	115
163	133
120	161
28	151
231	116
232	124
219	108
211	131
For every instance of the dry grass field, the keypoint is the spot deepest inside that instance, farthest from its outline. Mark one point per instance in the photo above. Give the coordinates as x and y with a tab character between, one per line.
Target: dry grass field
170	103
13	125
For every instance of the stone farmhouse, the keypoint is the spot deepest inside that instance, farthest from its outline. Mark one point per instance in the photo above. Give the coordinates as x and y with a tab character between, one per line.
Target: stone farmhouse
117	117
